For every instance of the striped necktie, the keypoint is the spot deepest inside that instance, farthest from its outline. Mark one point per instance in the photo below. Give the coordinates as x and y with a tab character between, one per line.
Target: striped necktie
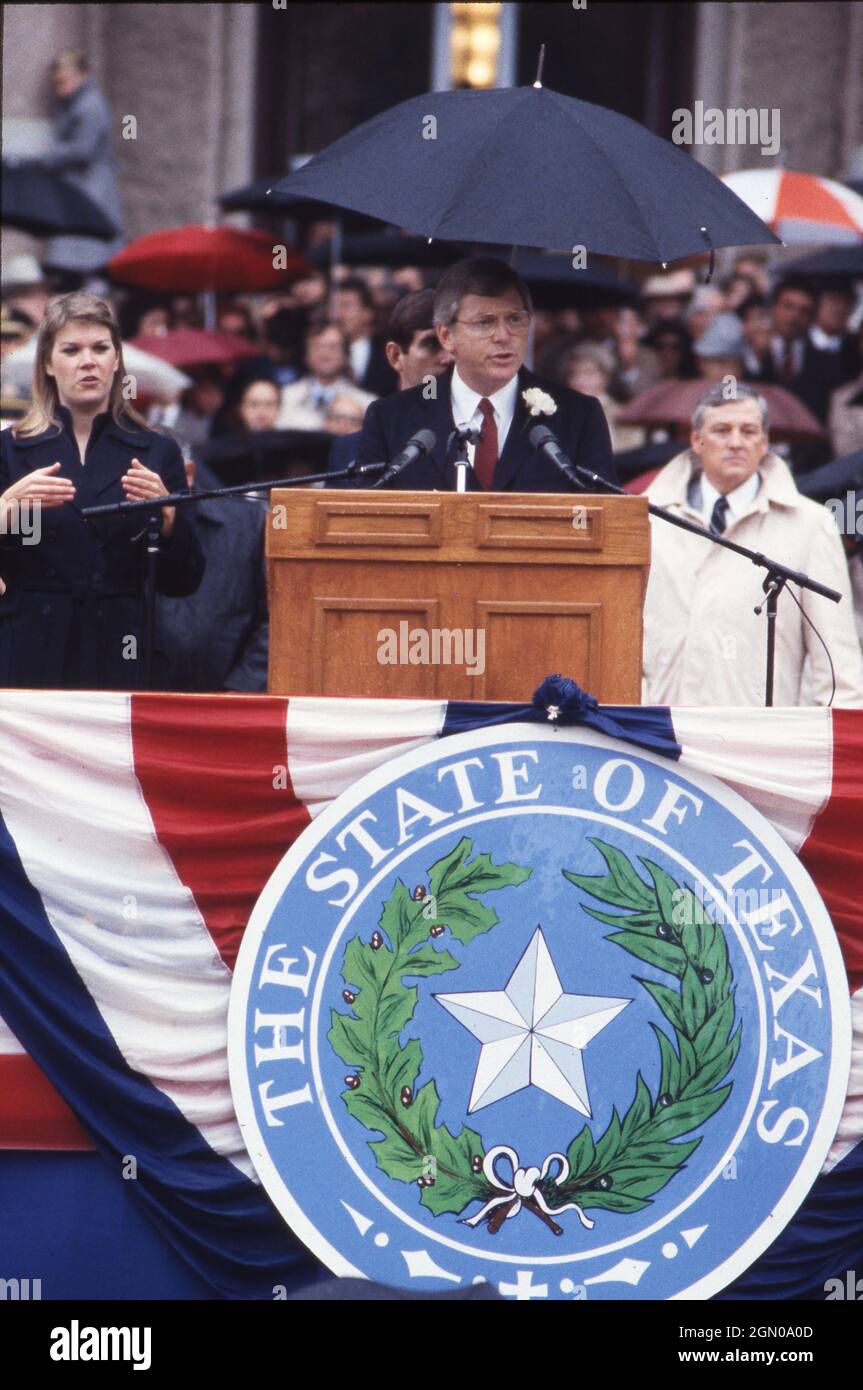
719	515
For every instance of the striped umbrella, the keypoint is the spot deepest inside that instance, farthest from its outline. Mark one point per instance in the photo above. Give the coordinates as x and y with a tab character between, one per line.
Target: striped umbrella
802	209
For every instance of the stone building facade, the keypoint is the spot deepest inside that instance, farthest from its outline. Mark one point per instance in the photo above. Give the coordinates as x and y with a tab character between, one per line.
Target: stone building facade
224	93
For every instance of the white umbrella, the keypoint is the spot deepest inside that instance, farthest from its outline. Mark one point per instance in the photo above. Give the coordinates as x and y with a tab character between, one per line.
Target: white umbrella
153	377
802	209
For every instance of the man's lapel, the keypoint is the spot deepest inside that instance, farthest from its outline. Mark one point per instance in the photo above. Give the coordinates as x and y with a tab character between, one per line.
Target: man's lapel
437	416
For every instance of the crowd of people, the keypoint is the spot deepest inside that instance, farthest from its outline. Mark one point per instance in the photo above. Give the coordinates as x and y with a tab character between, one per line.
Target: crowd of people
332	373
319	350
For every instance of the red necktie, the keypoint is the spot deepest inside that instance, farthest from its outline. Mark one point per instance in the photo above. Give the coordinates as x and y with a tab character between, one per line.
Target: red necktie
485	457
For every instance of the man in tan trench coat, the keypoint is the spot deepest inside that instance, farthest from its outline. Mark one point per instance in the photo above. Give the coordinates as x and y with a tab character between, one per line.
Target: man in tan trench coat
703	643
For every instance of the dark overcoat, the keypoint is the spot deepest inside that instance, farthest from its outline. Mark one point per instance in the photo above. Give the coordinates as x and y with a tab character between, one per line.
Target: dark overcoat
72	613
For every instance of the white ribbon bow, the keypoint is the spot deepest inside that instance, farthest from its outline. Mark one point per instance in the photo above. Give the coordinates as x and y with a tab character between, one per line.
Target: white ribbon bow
524	1187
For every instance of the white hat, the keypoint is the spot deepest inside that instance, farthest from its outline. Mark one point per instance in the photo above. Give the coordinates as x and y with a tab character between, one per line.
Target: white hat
22	272
675	285
723	337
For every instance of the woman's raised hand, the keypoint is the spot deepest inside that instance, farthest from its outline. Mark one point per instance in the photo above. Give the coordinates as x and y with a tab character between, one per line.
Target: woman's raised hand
42	486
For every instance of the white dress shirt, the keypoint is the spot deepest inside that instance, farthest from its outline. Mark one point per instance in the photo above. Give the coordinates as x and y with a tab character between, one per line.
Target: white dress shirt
465	408
360	353
825	342
738	500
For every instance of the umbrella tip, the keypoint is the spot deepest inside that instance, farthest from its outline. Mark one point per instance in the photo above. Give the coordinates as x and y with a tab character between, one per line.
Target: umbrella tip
539	66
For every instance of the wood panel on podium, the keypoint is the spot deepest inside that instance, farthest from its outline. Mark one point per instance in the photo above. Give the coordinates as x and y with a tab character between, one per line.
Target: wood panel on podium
455	596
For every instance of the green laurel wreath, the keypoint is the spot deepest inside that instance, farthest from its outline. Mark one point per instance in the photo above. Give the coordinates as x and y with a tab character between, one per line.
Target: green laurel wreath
663	924
666	926
383	1096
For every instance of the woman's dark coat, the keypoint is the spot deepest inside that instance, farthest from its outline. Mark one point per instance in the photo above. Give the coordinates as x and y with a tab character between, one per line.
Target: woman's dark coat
72	613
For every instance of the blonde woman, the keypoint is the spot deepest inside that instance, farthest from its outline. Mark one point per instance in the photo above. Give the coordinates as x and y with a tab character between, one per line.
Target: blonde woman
71	614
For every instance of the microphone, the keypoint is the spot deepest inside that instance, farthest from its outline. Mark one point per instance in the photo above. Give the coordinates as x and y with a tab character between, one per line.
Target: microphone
544	441
420	443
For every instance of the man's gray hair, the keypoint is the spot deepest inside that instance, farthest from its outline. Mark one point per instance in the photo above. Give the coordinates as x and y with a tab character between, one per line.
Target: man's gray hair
726	392
482	275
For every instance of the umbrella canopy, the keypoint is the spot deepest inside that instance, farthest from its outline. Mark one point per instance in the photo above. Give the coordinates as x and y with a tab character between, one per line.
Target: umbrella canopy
801	208
646	460
843	262
262	454
388	249
555	285
261	196
196	258
526	166
835	479
670	404
43	203
195	347
153	377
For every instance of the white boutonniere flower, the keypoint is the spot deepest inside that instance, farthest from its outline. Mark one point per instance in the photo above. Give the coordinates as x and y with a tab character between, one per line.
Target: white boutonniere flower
538	402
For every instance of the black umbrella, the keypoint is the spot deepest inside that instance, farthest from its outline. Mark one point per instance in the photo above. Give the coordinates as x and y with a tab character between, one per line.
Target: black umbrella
842	261
262	454
43	203
835	479
526	166
389	249
631	462
554	284
261	196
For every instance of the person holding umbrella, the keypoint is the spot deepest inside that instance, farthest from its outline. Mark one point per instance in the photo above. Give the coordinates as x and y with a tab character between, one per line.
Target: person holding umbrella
82	153
482	315
71	615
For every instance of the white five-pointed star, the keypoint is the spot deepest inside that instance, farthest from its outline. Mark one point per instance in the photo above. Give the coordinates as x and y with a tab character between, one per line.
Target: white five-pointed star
532	1034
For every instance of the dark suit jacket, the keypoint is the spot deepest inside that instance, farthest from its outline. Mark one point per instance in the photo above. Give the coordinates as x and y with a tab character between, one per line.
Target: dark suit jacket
378	377
344	451
73	601
218	637
820	375
579	425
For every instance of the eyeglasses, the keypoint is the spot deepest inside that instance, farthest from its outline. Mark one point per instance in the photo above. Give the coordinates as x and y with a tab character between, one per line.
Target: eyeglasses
516	322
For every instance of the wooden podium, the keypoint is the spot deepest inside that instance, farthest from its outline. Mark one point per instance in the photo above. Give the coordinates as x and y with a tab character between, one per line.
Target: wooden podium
378	593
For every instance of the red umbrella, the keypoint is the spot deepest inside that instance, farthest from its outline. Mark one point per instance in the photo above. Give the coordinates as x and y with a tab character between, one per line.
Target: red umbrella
192	347
669	404
642	481
206	258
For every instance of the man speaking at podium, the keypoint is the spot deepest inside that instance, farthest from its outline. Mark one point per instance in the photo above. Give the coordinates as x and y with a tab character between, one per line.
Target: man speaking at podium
482	314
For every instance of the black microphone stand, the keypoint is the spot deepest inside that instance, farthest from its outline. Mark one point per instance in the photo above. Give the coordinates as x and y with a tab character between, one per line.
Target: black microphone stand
153	526
777	575
461	438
